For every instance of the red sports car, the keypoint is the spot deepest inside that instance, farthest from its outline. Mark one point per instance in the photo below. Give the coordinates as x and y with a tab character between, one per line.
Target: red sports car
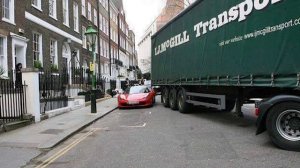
136	96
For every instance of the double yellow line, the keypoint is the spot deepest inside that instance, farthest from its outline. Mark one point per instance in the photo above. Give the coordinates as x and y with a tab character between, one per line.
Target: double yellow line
65	150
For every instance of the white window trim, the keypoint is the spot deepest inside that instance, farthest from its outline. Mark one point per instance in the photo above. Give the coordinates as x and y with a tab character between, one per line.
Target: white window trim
84	42
54	16
96	46
11	13
95	18
67	13
56	52
76	13
83	6
89	11
5	66
40	47
77	61
38	6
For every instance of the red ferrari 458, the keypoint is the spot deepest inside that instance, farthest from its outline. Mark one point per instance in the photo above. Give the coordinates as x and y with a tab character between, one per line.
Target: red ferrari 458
136	96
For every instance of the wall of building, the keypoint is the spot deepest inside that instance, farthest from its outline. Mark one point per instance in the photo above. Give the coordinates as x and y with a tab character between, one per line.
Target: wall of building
30	20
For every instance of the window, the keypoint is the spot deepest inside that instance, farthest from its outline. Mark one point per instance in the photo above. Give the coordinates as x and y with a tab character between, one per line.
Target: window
8	13
104	3
37	47
76	20
37	4
52	8
66	12
3	53
89	11
83	11
95	17
77	59
83	37
53	52
101	47
96	46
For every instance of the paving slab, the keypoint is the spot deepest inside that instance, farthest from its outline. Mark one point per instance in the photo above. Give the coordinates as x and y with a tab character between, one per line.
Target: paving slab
51	132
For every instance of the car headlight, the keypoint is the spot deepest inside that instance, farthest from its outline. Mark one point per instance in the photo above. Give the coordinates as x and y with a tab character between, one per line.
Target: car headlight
123	97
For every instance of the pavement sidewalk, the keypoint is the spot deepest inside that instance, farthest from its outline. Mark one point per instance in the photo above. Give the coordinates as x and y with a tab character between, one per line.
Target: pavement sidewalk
51	132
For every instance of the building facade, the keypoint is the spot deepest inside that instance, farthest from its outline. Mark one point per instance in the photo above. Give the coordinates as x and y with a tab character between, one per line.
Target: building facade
172	9
50	34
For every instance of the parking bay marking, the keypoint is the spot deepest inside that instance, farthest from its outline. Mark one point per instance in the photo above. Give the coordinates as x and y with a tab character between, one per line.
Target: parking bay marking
134	126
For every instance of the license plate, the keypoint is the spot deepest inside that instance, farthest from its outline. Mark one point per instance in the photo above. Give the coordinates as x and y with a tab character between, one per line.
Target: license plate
133	102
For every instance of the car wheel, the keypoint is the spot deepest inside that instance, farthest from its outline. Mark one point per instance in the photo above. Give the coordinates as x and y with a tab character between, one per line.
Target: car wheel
165	97
173	99
283	125
182	105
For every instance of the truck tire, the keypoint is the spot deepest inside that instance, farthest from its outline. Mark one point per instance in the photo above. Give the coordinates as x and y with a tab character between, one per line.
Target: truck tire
182	105
165	97
173	99
283	125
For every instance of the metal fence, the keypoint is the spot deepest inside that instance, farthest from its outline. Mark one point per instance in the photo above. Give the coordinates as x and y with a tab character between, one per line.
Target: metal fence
12	101
57	86
52	91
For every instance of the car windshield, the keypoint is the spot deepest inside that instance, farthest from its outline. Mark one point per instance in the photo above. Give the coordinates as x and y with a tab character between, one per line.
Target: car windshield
137	90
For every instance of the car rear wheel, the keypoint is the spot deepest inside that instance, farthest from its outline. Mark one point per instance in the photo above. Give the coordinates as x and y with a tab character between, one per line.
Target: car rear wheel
283	125
165	97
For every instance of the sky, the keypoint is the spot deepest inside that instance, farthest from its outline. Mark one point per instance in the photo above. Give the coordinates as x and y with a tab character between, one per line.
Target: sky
141	13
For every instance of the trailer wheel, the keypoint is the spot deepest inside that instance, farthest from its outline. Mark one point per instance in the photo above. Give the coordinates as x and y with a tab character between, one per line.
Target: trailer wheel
182	105
165	97
283	125
173	99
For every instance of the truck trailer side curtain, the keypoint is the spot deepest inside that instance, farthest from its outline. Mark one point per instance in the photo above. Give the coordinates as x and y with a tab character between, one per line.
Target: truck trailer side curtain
239	11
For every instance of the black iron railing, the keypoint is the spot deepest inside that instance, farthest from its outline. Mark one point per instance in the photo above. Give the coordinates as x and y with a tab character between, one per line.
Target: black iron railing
12	101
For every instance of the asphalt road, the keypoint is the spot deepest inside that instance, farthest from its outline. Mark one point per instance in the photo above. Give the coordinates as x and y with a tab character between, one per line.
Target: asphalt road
158	137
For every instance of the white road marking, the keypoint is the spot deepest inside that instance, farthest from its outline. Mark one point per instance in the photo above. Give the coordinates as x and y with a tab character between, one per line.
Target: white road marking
134	126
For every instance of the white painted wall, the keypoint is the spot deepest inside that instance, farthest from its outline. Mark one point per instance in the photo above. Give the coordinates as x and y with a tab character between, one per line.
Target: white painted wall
144	49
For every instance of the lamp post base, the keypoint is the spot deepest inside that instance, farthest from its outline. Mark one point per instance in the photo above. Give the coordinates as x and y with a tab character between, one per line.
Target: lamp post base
93	101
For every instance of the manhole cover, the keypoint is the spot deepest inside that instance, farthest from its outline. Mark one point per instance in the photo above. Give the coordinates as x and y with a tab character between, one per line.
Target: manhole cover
52	131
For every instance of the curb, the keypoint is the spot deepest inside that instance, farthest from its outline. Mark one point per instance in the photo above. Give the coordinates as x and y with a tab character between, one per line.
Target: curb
79	129
97	101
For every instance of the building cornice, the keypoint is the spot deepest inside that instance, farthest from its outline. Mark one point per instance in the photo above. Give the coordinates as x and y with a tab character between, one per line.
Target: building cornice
51	27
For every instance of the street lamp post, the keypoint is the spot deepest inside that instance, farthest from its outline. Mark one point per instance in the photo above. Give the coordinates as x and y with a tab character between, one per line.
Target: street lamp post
91	35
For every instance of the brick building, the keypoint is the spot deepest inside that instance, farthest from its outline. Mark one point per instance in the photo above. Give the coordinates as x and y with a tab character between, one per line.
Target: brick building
50	34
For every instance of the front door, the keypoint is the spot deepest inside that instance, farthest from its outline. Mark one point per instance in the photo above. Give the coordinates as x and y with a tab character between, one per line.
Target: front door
19	47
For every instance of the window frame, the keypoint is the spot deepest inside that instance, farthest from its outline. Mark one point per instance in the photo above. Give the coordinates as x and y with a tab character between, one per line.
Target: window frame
66	11
40	47
4	55
38	6
84	42
54	9
11	12
55	60
83	8
89	11
76	16
95	18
